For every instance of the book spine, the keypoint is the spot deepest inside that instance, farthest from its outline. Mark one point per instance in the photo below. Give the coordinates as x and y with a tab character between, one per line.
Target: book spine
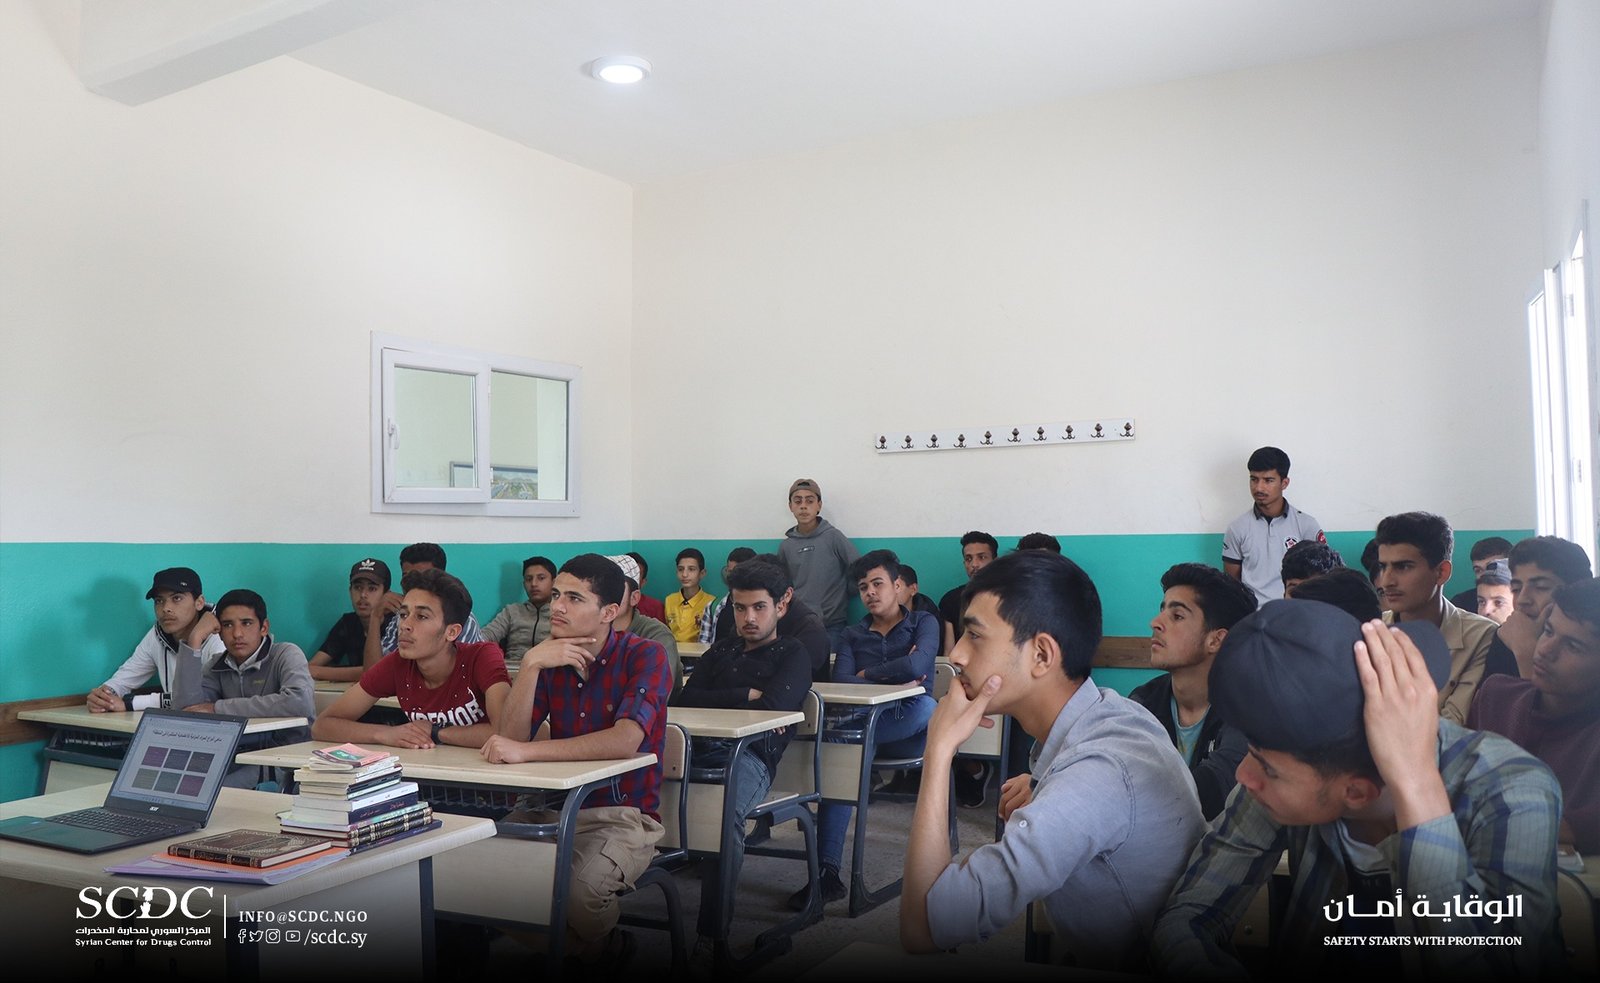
383	832
435	824
352	816
215	856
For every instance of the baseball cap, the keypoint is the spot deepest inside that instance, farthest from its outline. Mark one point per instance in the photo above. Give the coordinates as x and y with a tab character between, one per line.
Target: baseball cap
630	567
1286	675
805	484
179	580
371	569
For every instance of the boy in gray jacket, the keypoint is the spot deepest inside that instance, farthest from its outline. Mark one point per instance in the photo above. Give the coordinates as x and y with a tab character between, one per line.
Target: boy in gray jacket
817	555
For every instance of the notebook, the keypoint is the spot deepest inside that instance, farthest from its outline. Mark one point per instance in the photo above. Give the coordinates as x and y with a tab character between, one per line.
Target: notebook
166	786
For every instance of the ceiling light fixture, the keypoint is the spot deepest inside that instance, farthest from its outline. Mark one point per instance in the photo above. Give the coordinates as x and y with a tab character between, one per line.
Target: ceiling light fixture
620	69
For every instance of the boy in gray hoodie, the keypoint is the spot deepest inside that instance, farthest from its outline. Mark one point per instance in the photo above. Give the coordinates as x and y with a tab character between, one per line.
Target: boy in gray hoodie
818	556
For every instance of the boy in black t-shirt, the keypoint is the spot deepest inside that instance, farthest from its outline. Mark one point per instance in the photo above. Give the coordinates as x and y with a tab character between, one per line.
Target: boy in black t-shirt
338	659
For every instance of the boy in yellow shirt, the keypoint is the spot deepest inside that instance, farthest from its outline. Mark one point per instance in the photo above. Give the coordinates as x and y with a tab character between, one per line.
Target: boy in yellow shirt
688	605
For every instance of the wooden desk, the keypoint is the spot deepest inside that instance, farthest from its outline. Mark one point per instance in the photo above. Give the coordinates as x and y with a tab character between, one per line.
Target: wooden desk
85	745
389	886
691	650
710	722
865	694
326	691
508	879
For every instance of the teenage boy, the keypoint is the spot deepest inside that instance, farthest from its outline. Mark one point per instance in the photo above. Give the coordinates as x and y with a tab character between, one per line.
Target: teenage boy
451	692
1555	714
687	605
519	627
630	619
604	693
1039	541
755	670
1199	606
803	624
648	606
1306	559
1493	593
1540	565
912	599
382	642
1114	816
978	550
1396	822
1253	546
818	557
1486	552
1413	567
1348	590
185	628
339	656
715	626
890	645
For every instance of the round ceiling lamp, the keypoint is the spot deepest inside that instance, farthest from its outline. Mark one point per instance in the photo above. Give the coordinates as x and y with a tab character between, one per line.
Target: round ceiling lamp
620	69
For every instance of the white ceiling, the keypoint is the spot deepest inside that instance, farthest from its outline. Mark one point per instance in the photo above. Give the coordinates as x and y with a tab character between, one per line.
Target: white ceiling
736	80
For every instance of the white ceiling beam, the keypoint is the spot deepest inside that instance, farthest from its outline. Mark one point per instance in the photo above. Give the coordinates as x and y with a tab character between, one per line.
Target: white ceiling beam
135	51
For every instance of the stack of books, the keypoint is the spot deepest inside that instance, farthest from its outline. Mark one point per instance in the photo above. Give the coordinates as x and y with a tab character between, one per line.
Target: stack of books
354	798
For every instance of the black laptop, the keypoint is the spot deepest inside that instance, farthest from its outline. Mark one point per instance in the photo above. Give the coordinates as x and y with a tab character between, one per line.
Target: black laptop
167	786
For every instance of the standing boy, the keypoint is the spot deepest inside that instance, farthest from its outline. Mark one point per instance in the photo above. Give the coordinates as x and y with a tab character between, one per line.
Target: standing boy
339	656
687	605
1253	546
185	628
818	556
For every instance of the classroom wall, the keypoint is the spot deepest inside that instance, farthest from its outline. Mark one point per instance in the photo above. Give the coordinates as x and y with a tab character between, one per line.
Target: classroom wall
1569	138
1329	255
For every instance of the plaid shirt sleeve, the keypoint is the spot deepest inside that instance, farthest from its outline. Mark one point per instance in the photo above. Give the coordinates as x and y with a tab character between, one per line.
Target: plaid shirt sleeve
647	686
708	624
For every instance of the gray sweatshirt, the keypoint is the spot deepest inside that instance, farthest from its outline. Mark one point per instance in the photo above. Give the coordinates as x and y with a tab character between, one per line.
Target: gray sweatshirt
817	563
274	682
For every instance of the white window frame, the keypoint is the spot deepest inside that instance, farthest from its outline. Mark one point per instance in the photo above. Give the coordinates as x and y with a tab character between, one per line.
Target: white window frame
391	351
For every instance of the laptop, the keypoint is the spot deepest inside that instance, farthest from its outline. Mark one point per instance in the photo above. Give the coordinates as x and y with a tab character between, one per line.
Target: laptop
166	786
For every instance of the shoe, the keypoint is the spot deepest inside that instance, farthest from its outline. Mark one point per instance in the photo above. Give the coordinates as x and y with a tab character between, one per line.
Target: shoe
703	959
829	884
908	782
972	790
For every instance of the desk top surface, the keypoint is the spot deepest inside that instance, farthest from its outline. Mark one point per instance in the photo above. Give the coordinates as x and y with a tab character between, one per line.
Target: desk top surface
236	809
127	722
711	722
865	694
690	650
465	766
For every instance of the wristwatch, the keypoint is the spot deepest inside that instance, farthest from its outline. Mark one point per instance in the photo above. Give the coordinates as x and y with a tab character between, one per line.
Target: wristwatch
434	737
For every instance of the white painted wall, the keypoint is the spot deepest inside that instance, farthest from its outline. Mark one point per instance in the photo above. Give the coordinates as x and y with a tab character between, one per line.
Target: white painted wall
1569	121
1328	255
188	289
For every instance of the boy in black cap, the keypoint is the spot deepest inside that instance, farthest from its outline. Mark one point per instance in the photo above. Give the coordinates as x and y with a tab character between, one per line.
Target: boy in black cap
185	626
338	658
1410	824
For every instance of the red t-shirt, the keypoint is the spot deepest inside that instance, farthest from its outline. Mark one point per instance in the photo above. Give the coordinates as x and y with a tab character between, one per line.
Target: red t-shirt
459	702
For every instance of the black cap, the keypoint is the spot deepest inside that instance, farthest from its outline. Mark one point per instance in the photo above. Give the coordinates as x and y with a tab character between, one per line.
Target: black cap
179	580
372	569
1286	675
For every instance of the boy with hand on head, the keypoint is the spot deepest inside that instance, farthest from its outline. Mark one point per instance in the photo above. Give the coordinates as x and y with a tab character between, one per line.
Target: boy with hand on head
818	557
687	605
519	627
339	656
383	631
451	692
185	628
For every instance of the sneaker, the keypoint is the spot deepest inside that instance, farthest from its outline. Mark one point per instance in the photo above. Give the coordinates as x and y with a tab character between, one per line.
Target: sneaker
829	884
971	790
908	782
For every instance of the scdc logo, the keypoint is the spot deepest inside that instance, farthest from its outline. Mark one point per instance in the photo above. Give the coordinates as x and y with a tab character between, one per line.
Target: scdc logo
143	903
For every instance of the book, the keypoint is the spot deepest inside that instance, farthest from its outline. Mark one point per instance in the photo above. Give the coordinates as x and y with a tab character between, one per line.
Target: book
355	810
248	848
373	832
359	790
305	827
346	757
403	834
334	778
165	865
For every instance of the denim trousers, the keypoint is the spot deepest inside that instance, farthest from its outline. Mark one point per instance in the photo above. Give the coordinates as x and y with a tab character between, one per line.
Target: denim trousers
747	786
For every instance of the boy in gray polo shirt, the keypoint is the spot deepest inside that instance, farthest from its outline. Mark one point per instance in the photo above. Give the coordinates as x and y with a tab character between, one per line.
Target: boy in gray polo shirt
1253	546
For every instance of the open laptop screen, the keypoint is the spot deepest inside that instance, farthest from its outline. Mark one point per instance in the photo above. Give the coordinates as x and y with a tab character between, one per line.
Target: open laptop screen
176	761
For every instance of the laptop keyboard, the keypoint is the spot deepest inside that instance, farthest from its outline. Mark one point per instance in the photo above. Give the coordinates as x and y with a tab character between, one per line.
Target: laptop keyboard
114	822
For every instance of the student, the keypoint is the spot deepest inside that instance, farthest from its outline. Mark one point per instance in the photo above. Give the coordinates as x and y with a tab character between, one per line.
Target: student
1199	605
604	693
1348	590
339	657
649	606
803	624
890	645
755	670
912	599
687	605
630	619
1495	600
1413	567
1306	559
519	627
1486	552
1376	799
1040	541
818	557
185	627
416	557
712	627
1540	565
1253	546
978	550
451	692
254	677
1555	714
1114	816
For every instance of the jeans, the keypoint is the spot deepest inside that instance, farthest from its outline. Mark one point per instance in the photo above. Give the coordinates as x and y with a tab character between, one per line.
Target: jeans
902	732
747	786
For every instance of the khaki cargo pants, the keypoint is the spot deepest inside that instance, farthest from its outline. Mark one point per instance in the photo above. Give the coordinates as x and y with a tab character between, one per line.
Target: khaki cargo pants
611	847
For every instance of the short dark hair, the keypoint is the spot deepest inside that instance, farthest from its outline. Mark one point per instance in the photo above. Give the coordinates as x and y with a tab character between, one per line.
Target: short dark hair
601	573
760	575
1308	558
644	568
423	553
1491	546
1369	559
1429	533
871	561
981	537
908	575
1224	602
690	553
242	597
1268	459
539	561
1038	592
771	558
1345	589
1561	557
739	554
1580	601
1039	541
448	588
